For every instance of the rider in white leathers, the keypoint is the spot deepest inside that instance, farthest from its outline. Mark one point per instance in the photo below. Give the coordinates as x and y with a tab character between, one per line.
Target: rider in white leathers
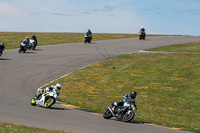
55	89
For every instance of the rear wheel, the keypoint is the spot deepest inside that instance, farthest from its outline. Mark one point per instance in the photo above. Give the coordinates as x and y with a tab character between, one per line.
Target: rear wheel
107	114
49	102
33	101
128	116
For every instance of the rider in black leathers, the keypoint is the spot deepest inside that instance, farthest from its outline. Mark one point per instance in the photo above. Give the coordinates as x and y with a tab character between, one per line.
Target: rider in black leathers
2	47
89	33
142	29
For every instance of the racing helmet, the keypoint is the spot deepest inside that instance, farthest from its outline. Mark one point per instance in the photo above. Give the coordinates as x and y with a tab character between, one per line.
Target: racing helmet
58	86
133	94
1	44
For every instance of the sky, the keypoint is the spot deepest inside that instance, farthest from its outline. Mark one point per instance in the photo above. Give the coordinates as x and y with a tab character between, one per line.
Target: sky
179	17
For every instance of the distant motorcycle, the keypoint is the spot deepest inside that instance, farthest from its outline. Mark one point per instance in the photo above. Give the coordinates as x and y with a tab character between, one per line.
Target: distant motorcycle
1	52
45	100
142	35
125	113
2	47
32	44
23	47
88	38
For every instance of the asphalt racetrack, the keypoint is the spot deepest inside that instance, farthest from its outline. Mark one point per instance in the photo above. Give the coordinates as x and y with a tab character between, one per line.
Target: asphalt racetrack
21	75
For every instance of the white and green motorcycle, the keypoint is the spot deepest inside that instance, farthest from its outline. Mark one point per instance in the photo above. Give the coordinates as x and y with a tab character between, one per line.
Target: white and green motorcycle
45	100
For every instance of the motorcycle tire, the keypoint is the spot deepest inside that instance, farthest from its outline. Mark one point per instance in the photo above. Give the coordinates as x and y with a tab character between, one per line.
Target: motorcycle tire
33	101
49	102
19	50
128	117
107	114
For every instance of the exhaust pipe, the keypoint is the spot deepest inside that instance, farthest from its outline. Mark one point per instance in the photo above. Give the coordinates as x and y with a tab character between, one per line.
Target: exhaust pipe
111	111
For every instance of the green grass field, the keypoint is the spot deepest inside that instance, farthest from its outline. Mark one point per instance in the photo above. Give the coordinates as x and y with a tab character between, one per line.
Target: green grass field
187	47
167	85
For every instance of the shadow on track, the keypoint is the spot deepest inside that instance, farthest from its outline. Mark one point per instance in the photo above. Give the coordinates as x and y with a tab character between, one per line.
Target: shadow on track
38	49
91	43
5	59
57	108
28	52
132	121
137	122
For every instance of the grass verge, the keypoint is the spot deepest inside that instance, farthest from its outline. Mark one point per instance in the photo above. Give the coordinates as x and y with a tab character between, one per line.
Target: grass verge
187	47
167	85
12	128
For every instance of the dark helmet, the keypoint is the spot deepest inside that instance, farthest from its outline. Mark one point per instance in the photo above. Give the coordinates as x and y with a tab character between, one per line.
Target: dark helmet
133	94
33	35
51	88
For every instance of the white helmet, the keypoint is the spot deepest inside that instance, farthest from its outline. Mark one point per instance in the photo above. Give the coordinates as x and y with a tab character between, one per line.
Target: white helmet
142	26
58	86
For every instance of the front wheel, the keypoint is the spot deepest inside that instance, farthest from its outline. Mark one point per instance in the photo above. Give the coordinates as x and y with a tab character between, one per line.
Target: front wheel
107	114
49	102
128	116
33	101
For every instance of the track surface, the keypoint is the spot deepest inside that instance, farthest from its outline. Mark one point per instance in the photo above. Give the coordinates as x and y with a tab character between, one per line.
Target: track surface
22	74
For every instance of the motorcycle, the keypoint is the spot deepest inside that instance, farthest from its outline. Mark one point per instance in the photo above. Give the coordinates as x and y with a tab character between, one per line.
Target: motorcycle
1	51
23	47
45	100
125	112
32	44
142	35
88	38
2	47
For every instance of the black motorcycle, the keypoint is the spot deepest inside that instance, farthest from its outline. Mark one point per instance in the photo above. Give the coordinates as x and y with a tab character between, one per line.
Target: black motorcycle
121	112
142	35
2	47
88	38
1	52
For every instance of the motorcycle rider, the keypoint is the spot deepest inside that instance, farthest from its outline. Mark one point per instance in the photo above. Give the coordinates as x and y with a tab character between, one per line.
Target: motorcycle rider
142	29
129	98
26	41
55	88
89	33
2	47
34	38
